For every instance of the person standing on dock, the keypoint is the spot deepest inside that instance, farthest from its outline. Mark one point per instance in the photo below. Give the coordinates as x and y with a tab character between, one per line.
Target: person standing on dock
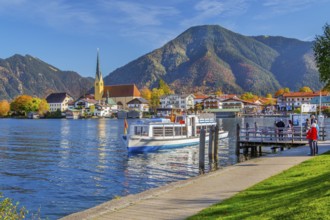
312	138
318	136
280	126
290	129
307	125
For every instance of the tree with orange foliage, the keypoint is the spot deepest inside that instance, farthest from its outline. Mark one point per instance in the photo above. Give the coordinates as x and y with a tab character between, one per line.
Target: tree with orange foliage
4	108
146	93
22	104
248	96
305	89
43	107
281	91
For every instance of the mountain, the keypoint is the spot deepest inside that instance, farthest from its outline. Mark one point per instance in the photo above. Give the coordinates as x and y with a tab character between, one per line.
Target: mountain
207	58
29	75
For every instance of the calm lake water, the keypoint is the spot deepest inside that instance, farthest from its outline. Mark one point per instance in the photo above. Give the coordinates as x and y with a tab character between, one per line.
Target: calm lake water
64	166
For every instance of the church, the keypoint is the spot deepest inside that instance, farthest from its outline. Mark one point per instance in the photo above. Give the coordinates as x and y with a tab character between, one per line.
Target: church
120	94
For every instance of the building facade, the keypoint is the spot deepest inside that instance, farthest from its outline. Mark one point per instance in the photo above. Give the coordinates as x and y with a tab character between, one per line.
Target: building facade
177	101
139	104
58	101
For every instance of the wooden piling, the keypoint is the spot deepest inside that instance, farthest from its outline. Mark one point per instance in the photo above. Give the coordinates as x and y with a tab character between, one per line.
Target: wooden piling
211	139
202	151
216	146
237	150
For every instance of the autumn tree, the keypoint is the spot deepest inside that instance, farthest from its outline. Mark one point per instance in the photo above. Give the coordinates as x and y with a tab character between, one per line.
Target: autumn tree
218	92
43	107
248	96
282	91
321	49
22	104
4	108
269	96
146	94
305	89
155	98
163	86
25	103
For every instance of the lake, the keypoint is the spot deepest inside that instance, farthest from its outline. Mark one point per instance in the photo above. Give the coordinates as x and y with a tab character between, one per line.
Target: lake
61	166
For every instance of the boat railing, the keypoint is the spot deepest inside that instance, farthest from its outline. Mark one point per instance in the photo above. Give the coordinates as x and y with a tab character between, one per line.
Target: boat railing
206	118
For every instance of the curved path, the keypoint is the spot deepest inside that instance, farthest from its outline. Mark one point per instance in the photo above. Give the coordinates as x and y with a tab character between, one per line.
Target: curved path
185	198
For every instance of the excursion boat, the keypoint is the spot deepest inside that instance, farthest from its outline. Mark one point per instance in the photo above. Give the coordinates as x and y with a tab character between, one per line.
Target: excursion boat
161	133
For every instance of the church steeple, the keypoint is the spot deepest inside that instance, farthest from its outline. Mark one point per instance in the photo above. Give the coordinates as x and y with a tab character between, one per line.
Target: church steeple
98	85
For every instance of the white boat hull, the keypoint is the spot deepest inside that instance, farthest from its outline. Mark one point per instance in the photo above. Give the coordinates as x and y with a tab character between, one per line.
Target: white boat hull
141	144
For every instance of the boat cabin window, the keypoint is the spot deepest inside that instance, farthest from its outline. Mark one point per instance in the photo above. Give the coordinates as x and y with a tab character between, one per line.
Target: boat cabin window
141	130
206	127
169	131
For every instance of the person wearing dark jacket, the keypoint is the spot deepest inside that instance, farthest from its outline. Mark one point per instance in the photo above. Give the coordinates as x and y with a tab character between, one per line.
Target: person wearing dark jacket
280	126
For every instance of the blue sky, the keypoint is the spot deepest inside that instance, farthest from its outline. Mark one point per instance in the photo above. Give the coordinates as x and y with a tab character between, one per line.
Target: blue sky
66	34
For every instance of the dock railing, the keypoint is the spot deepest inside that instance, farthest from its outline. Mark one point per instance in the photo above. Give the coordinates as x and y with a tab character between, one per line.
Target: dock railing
276	135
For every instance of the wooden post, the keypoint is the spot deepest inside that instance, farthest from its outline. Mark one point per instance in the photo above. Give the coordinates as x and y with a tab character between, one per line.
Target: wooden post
260	150
202	151
237	150
216	146
211	139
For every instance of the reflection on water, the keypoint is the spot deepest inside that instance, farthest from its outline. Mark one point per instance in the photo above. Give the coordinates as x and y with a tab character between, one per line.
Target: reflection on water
65	166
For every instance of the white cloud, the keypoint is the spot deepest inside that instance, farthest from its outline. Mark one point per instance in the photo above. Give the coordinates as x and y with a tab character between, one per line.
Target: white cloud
215	9
279	7
133	13
56	14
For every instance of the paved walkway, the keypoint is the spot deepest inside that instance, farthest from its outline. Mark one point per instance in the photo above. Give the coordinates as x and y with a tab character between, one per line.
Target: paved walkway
185	198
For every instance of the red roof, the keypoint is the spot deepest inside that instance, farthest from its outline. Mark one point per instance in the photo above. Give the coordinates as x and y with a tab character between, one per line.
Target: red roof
199	96
121	91
303	94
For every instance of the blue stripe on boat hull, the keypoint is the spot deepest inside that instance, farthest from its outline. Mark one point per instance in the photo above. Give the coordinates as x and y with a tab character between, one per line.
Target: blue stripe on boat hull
144	149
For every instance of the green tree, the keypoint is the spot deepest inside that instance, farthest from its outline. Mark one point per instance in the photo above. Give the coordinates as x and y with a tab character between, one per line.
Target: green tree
321	49
248	96
146	93
43	107
269	96
163	86
281	91
305	89
218	92
22	104
4	108
10	211
155	98
92	109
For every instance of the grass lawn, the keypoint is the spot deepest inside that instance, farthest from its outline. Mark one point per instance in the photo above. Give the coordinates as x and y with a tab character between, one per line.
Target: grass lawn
302	192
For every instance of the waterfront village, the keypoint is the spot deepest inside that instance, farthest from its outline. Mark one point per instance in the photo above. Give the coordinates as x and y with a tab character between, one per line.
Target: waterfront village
126	101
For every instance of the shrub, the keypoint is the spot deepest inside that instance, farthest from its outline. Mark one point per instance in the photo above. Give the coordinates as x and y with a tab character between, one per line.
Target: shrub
10	211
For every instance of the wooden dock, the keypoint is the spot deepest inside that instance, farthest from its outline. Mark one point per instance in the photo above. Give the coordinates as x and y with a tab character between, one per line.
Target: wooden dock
253	139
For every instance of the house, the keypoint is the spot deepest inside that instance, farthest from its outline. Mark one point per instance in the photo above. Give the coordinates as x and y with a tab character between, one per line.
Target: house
325	100
233	103
121	94
199	98
292	100
102	110
252	107
212	102
58	101
139	104
177	101
84	103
